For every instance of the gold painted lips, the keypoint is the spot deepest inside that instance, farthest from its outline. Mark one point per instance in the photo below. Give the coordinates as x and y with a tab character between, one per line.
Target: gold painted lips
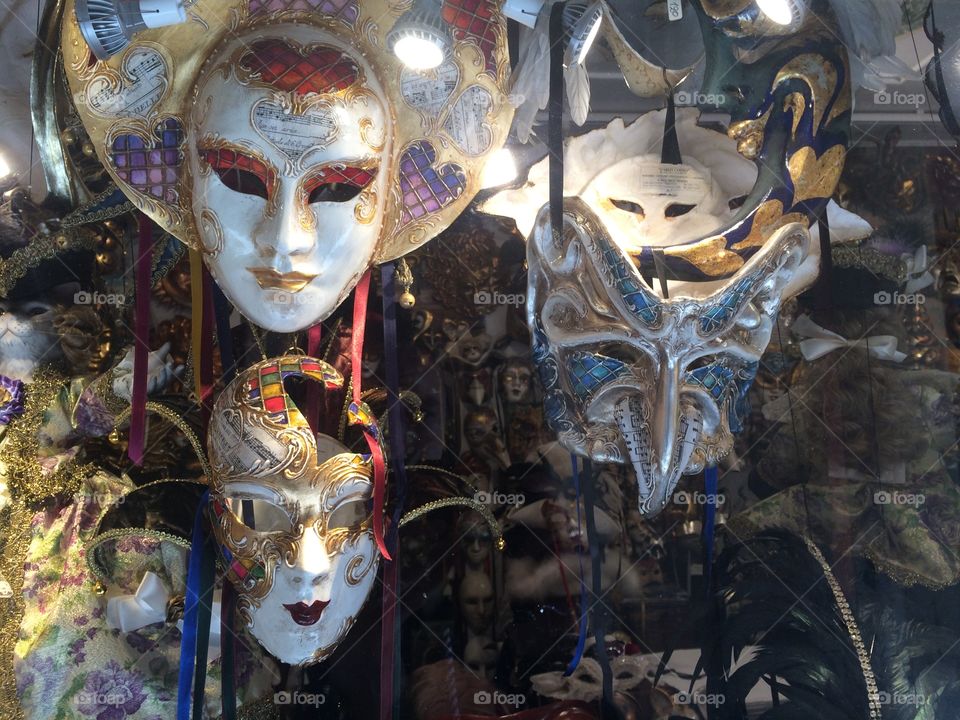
268	278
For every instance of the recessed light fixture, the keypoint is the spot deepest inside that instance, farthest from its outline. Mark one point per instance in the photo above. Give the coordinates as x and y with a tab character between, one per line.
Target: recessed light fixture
420	38
109	25
782	12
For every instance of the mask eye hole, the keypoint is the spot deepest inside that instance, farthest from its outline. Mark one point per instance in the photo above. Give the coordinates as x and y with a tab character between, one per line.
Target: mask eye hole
337	184
628	206
241	173
677	210
260	515
348	515
737	202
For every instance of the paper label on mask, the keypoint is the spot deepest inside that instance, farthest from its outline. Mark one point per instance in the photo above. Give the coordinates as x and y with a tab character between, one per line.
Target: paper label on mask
466	123
295	134
143	84
675	9
680	182
428	92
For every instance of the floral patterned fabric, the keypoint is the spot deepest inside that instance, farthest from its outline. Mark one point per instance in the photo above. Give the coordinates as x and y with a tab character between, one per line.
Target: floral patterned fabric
69	664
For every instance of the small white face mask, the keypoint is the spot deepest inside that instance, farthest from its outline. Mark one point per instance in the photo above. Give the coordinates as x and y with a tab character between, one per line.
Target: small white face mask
290	511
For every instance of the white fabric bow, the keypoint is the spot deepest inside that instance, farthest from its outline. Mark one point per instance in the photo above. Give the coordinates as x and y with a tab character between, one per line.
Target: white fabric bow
821	341
918	271
148	606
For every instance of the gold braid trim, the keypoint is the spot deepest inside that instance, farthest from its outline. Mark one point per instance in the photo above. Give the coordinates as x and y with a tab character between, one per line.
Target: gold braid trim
40	249
178	422
27	482
14	544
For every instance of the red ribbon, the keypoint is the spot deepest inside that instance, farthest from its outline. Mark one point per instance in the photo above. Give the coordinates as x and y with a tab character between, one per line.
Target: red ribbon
360	298
141	341
313	389
205	362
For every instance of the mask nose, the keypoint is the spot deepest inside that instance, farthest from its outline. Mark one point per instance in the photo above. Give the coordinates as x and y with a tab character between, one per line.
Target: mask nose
291	232
313	564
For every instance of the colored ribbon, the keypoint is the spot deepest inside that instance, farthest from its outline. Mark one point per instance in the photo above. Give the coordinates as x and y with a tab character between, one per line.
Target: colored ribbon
608	709
820	341
222	310
196	619
141	338
390	635
361	295
711	482
205	360
314	395
582	638
196	318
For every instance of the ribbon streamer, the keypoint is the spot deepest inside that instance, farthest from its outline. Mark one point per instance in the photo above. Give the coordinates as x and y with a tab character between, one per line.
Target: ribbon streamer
711	483
390	635
196	619
820	341
582	637
360	298
141	338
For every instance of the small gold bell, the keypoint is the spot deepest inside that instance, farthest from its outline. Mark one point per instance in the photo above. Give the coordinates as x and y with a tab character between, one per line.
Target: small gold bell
114	437
407	300
88	149
501	544
99	588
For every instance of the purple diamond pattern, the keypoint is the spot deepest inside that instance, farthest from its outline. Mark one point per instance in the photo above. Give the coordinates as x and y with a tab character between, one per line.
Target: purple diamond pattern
427	189
345	10
151	169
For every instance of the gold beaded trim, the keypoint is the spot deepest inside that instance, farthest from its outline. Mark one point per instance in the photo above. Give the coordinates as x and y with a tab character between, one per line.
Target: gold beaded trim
178	422
429	507
82	215
873	693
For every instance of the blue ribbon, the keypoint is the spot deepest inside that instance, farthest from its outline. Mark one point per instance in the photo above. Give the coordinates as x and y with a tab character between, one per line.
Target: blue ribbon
582	639
192	617
710	485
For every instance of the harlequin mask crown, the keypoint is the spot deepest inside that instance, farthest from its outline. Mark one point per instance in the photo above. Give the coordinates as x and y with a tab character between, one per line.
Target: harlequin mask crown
284	141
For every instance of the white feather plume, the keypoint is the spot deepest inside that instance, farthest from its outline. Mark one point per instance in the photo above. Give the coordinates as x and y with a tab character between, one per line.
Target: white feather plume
531	78
578	92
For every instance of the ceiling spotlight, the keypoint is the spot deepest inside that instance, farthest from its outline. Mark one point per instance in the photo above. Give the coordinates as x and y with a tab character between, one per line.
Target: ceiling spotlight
584	32
420	38
783	12
500	169
5	170
109	25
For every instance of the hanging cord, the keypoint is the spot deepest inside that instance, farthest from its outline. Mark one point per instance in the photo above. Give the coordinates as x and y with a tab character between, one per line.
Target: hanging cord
711	483
584	601
598	611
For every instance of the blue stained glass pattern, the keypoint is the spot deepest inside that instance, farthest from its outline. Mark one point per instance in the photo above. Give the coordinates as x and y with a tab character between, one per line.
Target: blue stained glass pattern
721	313
589	373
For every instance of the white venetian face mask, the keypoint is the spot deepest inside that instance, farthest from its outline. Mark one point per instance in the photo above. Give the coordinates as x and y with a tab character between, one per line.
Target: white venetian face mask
289	188
290	511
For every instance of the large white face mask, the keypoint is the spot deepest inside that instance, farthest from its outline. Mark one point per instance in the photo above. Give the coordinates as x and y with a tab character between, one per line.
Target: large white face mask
289	145
289	186
290	512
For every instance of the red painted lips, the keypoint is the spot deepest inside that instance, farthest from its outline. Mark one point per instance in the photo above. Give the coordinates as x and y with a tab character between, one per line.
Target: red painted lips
304	614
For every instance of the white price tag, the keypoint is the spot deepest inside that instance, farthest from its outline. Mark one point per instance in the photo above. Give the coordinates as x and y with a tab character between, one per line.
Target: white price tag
679	182
675	9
